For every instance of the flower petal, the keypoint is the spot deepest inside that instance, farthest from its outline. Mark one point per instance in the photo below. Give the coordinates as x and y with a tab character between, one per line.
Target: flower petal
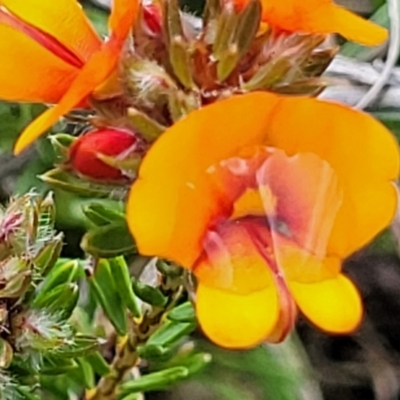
321	17
339	20
333	305
232	261
363	154
307	195
237	300
94	73
63	19
35	74
122	18
237	321
302	266
177	195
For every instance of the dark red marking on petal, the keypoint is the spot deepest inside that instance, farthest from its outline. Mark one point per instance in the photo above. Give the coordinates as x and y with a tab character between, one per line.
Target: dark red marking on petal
44	39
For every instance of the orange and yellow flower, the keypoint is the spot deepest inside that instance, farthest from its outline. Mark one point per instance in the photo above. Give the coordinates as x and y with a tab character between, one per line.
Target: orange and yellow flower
53	55
262	197
319	17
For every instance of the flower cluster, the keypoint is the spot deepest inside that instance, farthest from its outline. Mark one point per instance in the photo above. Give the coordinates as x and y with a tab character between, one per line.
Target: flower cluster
259	193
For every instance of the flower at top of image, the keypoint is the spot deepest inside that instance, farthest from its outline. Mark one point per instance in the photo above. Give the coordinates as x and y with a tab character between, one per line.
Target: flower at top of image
170	63
262	197
319	17
52	54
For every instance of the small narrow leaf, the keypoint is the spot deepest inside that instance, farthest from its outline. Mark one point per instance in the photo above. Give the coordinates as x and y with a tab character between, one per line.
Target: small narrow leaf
48	255
108	241
64	180
64	272
183	313
98	363
148	128
62	299
103	285
123	283
170	332
154	381
149	294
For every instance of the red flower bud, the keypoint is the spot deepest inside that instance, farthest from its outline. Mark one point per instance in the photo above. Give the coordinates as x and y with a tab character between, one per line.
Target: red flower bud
83	153
152	19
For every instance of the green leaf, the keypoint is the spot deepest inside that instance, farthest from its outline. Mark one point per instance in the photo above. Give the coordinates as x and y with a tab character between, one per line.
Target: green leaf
60	179
53	365
122	279
133	396
153	352
61	143
86	373
149	294
98	363
155	381
170	332
183	313
98	18
101	215
83	345
109	241
169	269
27	394
62	299
48	255
196	362
104	288
64	272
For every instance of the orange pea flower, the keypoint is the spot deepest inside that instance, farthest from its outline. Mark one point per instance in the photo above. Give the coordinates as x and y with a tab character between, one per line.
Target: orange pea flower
53	55
319	17
262	197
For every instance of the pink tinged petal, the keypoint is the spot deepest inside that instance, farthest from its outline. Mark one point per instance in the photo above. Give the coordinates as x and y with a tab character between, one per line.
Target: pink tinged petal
308	198
287	315
242	299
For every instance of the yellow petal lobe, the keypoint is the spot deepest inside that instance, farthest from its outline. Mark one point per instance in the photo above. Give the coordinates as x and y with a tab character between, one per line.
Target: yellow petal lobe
334	305
237	321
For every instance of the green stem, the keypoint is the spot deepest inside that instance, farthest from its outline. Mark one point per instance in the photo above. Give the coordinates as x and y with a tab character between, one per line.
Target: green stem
127	357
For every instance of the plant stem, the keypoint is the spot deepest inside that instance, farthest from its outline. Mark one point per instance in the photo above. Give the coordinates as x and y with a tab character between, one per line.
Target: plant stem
127	357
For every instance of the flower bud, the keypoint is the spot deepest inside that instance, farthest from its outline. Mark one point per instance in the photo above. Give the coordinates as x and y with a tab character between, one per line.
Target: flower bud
84	152
152	19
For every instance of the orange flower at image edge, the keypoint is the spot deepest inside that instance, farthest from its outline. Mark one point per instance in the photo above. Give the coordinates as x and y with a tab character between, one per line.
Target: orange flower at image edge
262	197
53	55
319	17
